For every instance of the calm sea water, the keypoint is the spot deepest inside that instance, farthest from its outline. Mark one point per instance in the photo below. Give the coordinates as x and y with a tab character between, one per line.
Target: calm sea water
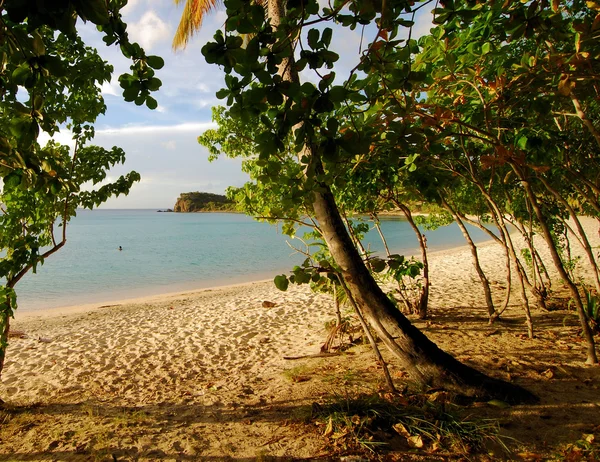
169	252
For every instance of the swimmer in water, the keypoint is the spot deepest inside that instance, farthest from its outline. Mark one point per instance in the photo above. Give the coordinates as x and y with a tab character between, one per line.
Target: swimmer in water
120	248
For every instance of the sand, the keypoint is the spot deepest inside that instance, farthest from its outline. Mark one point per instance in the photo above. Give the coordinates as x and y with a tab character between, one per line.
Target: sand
202	375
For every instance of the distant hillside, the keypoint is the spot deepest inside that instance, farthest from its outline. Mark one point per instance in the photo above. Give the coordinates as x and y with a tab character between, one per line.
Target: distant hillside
203	202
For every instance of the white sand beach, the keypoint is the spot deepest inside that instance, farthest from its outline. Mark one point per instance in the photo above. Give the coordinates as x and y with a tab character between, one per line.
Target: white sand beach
202	374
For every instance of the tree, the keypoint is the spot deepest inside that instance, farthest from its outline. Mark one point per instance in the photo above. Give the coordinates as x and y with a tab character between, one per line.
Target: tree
51	79
332	128
504	80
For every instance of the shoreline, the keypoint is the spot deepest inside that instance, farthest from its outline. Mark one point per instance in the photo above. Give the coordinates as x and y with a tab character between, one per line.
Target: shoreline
65	310
175	294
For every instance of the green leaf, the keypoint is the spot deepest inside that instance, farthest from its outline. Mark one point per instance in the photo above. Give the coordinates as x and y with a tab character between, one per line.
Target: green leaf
155	62
326	36
281	282
377	265
151	103
313	38
13	179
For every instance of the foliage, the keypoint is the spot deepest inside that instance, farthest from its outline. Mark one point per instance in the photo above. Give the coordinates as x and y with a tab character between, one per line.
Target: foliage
370	421
51	79
495	109
203	202
586	448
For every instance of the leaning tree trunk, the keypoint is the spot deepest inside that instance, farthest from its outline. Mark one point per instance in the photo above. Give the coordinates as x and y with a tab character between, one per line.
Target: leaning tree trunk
502	242
424	301
489	301
500	223
425	362
587	332
585	243
5	329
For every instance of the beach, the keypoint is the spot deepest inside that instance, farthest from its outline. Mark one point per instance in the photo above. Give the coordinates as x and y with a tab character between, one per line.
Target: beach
202	376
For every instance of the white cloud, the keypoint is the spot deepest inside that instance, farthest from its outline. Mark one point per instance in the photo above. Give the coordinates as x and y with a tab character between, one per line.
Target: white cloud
109	88
149	30
170	145
64	137
156	129
203	103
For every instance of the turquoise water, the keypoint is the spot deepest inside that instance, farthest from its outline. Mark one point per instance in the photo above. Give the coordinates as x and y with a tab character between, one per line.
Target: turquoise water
170	252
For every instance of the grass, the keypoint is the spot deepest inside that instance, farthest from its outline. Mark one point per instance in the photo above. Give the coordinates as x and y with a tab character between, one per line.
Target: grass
371	422
297	374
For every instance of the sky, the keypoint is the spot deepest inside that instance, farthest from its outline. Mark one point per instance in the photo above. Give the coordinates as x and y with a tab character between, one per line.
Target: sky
162	144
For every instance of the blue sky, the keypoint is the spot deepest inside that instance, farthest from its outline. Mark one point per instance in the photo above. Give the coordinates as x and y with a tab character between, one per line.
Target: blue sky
161	144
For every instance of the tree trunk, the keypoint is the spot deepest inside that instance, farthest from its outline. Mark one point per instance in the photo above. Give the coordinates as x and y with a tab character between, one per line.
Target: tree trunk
583	237
500	223
587	332
5	323
427	364
482	277
424	301
507	260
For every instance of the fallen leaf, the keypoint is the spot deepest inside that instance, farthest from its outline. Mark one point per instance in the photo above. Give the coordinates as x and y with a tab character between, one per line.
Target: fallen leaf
415	441
499	403
549	374
329	428
401	430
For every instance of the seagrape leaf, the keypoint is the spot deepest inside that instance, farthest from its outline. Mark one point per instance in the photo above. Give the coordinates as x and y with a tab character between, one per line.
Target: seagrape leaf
281	282
155	62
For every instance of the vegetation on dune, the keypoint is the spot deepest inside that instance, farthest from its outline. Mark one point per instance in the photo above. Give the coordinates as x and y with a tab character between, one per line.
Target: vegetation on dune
203	202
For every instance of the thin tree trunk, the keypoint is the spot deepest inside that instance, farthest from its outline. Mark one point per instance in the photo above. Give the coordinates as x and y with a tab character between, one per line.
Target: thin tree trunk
367	331
520	272
507	260
424	301
336	302
582	236
587	332
407	303
500	223
489	301
4	338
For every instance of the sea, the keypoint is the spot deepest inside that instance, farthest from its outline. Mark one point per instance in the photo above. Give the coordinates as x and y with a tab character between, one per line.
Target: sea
175	252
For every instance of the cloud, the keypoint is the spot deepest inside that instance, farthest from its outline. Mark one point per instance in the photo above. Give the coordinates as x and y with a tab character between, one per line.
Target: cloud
109	88
170	145
156	129
64	137
202	87
149	30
